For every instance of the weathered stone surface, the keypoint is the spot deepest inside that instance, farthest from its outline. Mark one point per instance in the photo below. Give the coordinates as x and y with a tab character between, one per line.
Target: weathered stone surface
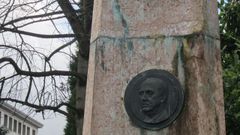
141	18
131	36
195	62
203	113
89	93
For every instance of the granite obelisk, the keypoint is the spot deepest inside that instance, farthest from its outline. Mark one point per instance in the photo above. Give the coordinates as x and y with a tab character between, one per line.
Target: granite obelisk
132	36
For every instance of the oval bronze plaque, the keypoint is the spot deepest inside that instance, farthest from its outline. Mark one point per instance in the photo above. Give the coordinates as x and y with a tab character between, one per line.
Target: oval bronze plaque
154	99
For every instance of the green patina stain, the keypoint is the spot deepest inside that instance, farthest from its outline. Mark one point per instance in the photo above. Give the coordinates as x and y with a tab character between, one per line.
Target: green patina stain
116	11
126	45
181	62
119	17
169	44
130	45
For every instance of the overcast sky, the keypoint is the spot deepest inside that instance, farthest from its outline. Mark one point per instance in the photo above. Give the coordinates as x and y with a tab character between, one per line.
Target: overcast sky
53	124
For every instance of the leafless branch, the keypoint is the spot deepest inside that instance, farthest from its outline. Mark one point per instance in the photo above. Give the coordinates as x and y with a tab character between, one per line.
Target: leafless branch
76	25
40	108
32	17
38	35
42	74
32	79
60	48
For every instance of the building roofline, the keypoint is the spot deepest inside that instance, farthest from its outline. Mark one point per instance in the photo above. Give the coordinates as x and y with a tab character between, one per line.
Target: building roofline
21	114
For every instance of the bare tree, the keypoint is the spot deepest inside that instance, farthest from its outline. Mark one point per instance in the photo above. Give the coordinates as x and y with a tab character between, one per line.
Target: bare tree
28	72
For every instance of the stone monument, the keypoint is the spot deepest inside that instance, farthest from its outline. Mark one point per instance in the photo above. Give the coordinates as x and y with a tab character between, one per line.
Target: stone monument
130	38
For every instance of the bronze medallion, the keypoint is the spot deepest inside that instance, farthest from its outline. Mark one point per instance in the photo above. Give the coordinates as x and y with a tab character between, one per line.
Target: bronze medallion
154	99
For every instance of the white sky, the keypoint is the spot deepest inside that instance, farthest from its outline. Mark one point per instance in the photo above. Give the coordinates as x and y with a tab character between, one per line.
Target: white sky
54	123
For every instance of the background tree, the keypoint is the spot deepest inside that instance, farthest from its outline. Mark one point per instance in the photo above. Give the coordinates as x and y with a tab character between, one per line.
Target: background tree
79	64
3	131
70	128
28	73
230	43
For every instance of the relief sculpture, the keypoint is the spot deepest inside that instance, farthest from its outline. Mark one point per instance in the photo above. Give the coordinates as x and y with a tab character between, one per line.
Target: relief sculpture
153	99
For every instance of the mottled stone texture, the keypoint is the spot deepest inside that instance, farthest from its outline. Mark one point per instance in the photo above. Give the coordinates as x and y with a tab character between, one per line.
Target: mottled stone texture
194	60
131	36
141	18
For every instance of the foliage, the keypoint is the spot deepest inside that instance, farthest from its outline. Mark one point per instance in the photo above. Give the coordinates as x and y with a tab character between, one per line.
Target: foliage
70	128
229	16
3	131
86	7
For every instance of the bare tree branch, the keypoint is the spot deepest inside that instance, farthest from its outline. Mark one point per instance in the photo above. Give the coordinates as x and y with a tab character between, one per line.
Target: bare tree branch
38	35
2	80
40	20
76	25
42	74
32	17
33	75
40	108
60	48
8	11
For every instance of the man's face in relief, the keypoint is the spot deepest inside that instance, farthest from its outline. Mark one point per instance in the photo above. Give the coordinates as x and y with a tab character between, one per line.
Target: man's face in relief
152	94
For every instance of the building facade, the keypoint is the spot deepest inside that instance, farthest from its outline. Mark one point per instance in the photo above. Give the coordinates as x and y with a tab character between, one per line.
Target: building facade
17	122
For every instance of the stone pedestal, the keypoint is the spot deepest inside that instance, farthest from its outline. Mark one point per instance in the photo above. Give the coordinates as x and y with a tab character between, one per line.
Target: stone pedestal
132	36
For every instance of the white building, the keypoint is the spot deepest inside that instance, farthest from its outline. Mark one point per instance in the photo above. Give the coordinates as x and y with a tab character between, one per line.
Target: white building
17	122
